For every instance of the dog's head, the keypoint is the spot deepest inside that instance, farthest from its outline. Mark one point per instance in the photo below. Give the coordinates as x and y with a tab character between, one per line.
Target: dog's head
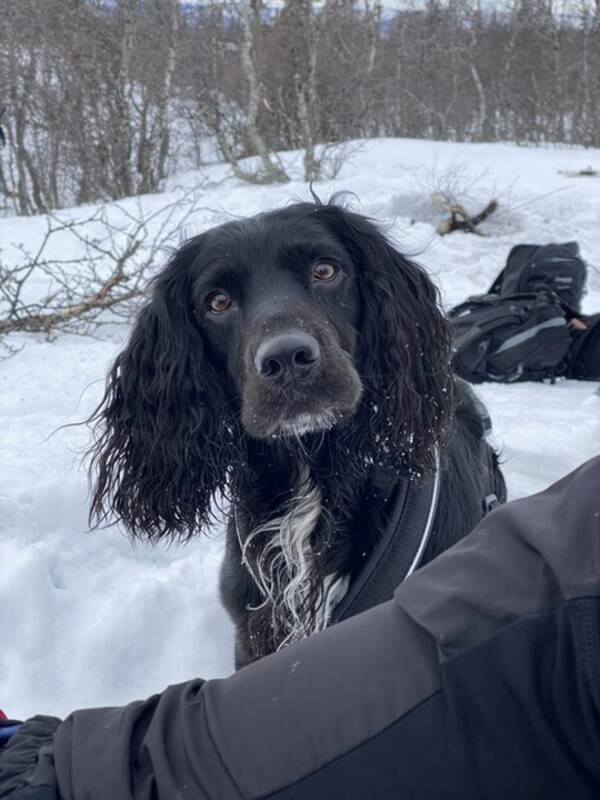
277	300
290	323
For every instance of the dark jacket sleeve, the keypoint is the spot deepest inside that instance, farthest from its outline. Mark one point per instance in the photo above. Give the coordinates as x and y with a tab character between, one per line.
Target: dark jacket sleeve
480	679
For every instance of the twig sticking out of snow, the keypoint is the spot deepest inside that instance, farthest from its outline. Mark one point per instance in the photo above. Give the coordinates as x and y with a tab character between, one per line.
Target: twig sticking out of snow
588	172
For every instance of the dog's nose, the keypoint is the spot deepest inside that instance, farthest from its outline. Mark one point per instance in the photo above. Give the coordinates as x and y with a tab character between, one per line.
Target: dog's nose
287	355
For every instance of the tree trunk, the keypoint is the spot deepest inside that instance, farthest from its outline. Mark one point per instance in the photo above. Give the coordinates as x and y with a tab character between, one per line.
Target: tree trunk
122	133
273	172
165	92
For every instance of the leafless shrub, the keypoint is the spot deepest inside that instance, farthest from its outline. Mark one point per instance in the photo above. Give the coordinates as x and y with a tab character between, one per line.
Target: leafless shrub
87	85
109	274
457	191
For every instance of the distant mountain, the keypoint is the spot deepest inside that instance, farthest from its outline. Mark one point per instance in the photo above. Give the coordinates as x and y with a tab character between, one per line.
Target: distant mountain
273	7
276	5
390	7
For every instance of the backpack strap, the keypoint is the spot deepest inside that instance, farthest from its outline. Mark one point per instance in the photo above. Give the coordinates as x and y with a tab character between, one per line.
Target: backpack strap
486	319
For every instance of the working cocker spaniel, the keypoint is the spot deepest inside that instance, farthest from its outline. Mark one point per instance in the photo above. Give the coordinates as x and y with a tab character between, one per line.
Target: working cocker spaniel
297	366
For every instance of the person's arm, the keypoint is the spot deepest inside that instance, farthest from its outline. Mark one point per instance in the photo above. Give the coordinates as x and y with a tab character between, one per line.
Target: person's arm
480	680
262	729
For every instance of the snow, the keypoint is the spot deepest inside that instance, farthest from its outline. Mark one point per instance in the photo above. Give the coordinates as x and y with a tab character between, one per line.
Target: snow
88	618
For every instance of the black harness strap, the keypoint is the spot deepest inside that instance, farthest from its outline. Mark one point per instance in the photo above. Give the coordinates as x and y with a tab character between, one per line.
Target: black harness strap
400	549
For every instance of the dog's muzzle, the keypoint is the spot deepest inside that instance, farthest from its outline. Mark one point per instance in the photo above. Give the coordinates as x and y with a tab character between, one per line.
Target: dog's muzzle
296	381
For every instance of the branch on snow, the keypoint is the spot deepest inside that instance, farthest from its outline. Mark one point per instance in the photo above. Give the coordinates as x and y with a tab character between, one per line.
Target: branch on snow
110	275
461	220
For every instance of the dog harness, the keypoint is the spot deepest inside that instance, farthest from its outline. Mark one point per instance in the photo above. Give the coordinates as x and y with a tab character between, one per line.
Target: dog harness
409	527
400	549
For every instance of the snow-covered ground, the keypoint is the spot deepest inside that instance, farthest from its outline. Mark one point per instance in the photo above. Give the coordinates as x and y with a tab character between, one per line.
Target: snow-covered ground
87	618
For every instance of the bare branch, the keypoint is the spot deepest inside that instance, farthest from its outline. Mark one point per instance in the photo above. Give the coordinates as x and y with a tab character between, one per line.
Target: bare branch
111	274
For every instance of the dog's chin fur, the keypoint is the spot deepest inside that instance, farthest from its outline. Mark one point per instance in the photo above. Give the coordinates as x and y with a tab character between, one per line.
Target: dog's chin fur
305	423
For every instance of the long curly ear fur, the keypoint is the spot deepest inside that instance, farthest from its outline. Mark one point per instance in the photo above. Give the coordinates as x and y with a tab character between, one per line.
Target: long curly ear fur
162	433
404	351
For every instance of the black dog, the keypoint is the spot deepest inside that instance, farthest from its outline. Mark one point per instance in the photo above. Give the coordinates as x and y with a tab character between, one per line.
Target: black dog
293	363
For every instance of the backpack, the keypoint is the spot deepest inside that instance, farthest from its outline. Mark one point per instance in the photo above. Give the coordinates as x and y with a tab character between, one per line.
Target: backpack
532	267
510	338
584	356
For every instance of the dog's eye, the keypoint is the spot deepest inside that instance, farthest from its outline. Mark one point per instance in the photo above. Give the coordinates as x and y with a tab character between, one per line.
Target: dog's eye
218	302
325	271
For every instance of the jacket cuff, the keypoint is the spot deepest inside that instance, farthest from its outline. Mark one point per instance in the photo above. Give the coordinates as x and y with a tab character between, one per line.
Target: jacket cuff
27	759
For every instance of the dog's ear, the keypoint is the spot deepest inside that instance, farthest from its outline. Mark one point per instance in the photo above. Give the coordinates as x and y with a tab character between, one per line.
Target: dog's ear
404	346
159	455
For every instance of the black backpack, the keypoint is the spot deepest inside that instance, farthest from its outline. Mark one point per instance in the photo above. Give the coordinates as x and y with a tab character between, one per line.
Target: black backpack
515	338
519	330
555	267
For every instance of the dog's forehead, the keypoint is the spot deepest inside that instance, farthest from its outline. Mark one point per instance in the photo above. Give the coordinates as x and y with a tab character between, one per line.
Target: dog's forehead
272	238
